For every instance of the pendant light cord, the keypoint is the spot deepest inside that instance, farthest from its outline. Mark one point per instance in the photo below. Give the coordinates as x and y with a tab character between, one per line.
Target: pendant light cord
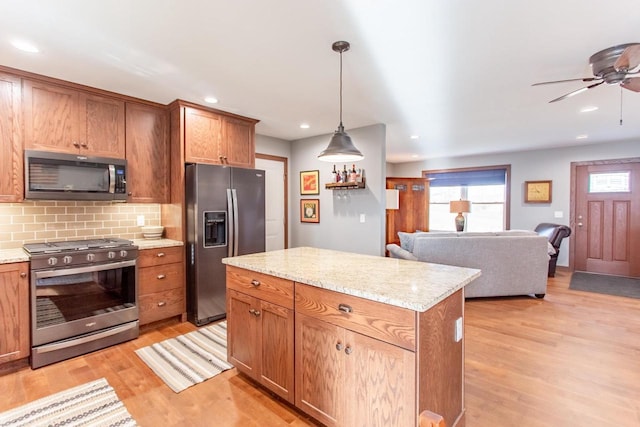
620	105
341	88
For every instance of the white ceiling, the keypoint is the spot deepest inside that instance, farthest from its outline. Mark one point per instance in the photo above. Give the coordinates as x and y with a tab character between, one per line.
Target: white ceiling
458	73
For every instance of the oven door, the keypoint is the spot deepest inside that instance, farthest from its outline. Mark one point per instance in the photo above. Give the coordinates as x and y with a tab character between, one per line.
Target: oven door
68	302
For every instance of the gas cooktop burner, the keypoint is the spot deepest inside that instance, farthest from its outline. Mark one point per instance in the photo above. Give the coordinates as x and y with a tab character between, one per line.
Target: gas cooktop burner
75	245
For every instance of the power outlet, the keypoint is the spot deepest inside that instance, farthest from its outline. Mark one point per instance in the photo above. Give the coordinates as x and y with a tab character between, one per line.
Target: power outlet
140	220
459	331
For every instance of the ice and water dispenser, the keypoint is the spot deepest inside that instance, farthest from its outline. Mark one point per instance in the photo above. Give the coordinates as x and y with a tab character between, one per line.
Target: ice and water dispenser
215	228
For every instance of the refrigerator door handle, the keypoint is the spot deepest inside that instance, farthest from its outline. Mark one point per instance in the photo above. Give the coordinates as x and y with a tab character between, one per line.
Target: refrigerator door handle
230	223
235	222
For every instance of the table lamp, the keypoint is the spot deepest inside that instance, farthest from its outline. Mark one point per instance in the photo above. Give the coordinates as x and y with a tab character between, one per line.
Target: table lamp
459	206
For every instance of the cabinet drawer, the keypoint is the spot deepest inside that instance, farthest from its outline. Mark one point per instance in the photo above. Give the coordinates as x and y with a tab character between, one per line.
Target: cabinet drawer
150	257
160	305
388	323
161	278
262	286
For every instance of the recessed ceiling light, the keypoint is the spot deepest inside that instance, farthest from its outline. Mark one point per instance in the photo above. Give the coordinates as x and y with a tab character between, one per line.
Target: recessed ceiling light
414	137
584	136
25	46
415	156
588	109
211	100
304	126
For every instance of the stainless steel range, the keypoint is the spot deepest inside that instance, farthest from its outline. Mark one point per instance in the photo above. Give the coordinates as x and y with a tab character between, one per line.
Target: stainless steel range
84	297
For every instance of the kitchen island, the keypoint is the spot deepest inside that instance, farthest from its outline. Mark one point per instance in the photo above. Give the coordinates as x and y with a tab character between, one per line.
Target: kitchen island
350	339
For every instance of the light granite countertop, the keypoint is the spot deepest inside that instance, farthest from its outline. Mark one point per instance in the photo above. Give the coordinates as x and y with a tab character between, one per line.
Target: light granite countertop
8	256
156	243
414	285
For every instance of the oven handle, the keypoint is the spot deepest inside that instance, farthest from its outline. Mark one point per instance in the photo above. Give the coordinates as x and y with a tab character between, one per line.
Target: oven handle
83	340
90	269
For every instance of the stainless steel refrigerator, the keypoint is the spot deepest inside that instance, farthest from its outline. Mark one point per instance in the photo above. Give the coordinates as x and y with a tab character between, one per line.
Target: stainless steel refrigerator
225	215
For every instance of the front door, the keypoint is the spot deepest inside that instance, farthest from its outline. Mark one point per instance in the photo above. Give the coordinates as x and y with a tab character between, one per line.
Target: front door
607	218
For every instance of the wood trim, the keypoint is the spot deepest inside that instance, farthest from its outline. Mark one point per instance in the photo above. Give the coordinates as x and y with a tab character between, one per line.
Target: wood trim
286	191
507	196
183	103
573	186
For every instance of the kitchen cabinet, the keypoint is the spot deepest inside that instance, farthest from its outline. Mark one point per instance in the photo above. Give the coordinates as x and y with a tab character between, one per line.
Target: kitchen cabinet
346	377
161	290
216	138
260	321
11	159
64	119
14	310
147	153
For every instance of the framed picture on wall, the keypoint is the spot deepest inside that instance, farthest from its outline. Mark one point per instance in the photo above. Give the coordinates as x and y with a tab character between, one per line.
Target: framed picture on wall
537	191
309	210
309	182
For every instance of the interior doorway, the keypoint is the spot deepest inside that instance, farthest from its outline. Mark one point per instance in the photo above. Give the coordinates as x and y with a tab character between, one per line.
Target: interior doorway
276	208
605	217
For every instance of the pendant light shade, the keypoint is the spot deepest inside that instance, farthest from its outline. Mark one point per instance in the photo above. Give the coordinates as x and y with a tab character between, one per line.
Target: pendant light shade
340	148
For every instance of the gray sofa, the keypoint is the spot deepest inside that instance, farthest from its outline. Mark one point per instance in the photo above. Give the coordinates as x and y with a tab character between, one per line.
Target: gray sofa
513	262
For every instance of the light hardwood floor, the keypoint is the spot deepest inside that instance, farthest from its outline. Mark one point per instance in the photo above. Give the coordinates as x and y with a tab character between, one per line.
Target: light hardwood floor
572	359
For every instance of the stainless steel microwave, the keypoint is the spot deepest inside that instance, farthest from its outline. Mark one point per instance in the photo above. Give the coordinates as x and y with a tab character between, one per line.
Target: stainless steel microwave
60	176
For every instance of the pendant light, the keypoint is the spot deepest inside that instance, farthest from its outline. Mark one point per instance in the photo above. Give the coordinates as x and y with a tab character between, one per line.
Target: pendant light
340	148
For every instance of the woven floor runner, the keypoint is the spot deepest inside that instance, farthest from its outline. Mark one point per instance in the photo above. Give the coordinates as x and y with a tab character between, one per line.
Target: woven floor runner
189	359
91	404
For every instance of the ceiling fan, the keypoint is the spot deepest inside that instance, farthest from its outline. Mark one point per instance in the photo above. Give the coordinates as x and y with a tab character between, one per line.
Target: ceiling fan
614	65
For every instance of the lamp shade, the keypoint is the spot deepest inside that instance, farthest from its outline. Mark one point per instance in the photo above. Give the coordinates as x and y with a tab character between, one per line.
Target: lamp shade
340	148
392	199
459	206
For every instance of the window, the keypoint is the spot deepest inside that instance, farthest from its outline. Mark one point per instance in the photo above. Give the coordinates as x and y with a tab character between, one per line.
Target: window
486	188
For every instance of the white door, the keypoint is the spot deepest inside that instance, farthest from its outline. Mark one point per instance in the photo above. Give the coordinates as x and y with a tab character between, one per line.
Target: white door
275	200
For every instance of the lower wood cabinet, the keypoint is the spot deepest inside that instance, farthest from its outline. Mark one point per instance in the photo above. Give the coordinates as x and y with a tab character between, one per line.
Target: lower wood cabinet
261	329
14	310
161	290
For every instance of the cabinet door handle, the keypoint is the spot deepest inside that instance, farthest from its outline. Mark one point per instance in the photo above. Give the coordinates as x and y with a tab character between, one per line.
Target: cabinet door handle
84	145
348	350
161	276
160	254
255	283
23	274
339	346
345	308
76	144
162	304
254	312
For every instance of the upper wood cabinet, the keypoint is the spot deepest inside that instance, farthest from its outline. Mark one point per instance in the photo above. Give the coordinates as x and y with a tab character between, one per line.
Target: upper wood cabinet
11	161
210	137
63	119
147	153
14	311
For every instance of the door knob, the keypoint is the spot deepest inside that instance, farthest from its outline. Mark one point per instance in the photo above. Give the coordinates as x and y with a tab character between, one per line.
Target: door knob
579	224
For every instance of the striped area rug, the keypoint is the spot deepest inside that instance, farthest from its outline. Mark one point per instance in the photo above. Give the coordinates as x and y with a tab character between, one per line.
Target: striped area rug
91	404
189	359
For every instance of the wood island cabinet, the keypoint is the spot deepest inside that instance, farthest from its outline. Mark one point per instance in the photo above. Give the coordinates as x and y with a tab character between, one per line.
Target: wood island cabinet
14	310
261	329
63	119
11	159
215	138
161	293
147	153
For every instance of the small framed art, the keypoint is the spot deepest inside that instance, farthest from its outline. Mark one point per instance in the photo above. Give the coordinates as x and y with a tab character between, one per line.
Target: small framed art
309	182
537	191
310	210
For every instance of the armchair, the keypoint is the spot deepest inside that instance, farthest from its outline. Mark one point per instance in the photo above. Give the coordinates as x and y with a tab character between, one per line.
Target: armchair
554	233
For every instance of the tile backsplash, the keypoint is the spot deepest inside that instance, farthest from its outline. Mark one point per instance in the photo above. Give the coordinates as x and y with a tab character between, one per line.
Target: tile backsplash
47	221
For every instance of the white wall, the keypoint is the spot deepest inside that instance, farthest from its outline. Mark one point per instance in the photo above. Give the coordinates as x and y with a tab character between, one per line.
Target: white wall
553	164
340	227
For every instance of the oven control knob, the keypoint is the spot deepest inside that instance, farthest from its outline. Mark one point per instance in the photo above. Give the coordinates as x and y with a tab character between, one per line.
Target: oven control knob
52	261
123	253
91	257
111	255
67	259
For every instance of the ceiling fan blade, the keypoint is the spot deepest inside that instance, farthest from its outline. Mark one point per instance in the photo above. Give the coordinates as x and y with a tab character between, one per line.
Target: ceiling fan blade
629	59
585	79
575	92
631	84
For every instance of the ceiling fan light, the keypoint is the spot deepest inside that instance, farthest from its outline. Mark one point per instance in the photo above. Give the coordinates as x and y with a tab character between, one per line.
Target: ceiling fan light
340	148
